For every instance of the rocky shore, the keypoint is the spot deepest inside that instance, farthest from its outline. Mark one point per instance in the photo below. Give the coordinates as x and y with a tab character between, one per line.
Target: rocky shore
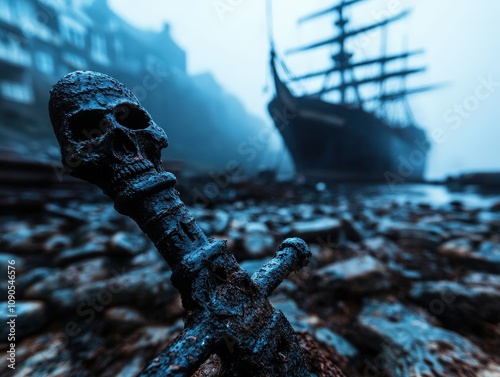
395	288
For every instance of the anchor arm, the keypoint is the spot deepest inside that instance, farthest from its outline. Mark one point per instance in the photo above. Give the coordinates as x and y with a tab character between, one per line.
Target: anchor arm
184	355
292	255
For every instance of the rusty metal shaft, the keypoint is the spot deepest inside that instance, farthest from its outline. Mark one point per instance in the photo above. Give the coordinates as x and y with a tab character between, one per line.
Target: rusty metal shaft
229	313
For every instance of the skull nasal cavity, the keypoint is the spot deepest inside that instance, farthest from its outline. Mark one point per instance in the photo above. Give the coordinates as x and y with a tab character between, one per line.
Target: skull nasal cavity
123	144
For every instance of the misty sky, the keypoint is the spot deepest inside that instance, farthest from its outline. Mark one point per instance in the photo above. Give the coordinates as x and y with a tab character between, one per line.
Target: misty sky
229	38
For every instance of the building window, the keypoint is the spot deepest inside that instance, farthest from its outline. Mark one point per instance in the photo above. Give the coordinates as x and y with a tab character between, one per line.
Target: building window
17	92
7	10
73	37
11	50
119	50
44	62
73	32
98	49
74	61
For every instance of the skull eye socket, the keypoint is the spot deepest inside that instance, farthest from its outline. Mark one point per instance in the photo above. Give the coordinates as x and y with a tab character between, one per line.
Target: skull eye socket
131	117
88	125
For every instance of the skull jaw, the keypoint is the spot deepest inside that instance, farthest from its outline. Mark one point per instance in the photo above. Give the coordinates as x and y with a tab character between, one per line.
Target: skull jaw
116	178
130	171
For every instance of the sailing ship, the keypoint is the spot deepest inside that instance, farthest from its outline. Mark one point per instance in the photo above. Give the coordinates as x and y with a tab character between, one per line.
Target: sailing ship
354	137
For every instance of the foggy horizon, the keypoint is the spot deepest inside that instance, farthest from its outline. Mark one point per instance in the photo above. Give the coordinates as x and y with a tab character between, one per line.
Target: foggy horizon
231	42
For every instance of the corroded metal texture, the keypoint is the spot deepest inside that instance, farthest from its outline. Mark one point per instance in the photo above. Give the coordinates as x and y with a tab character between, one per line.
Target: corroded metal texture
108	138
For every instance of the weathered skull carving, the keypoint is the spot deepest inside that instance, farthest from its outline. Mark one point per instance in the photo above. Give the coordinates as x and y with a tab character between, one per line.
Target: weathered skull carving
106	136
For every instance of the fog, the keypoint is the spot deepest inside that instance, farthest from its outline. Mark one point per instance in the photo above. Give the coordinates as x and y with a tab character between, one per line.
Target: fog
230	40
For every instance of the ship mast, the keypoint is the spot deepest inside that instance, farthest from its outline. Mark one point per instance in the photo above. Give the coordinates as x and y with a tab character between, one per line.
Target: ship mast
345	67
342	59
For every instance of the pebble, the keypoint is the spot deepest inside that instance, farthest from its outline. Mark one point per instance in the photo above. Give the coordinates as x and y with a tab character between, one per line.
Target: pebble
458	303
456	247
386	250
124	319
302	321
312	230
251	266
45	355
492	219
31	316
409	344
441	261
73	277
353	231
87	251
18	266
359	275
31	277
127	243
486	258
410	235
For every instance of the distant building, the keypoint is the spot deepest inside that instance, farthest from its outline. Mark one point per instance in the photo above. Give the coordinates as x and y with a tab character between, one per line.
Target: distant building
41	40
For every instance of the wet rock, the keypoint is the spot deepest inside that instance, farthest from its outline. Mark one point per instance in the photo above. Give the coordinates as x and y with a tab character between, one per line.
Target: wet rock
495	207
19	263
211	221
74	276
127	244
303	211
74	216
21	237
490	253
138	288
459	303
410	345
304	322
473	232
482	279
276	222
352	230
86	251
357	275
133	368
326	253
257	241
148	258
57	242
31	317
32	277
150	337
251	266
287	287
410	235
284	215
457	205
492	219
220	221
17	236
386	250
321	360
298	318
47	355
456	247
486	258
124	319
314	230
340	344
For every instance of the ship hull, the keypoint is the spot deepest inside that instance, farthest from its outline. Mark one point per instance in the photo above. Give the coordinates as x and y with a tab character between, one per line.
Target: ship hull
336	143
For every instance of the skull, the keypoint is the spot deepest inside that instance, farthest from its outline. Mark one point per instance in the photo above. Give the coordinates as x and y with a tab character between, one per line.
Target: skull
105	135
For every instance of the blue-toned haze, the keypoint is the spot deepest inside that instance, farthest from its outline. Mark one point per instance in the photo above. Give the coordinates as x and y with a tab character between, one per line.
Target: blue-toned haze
229	38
